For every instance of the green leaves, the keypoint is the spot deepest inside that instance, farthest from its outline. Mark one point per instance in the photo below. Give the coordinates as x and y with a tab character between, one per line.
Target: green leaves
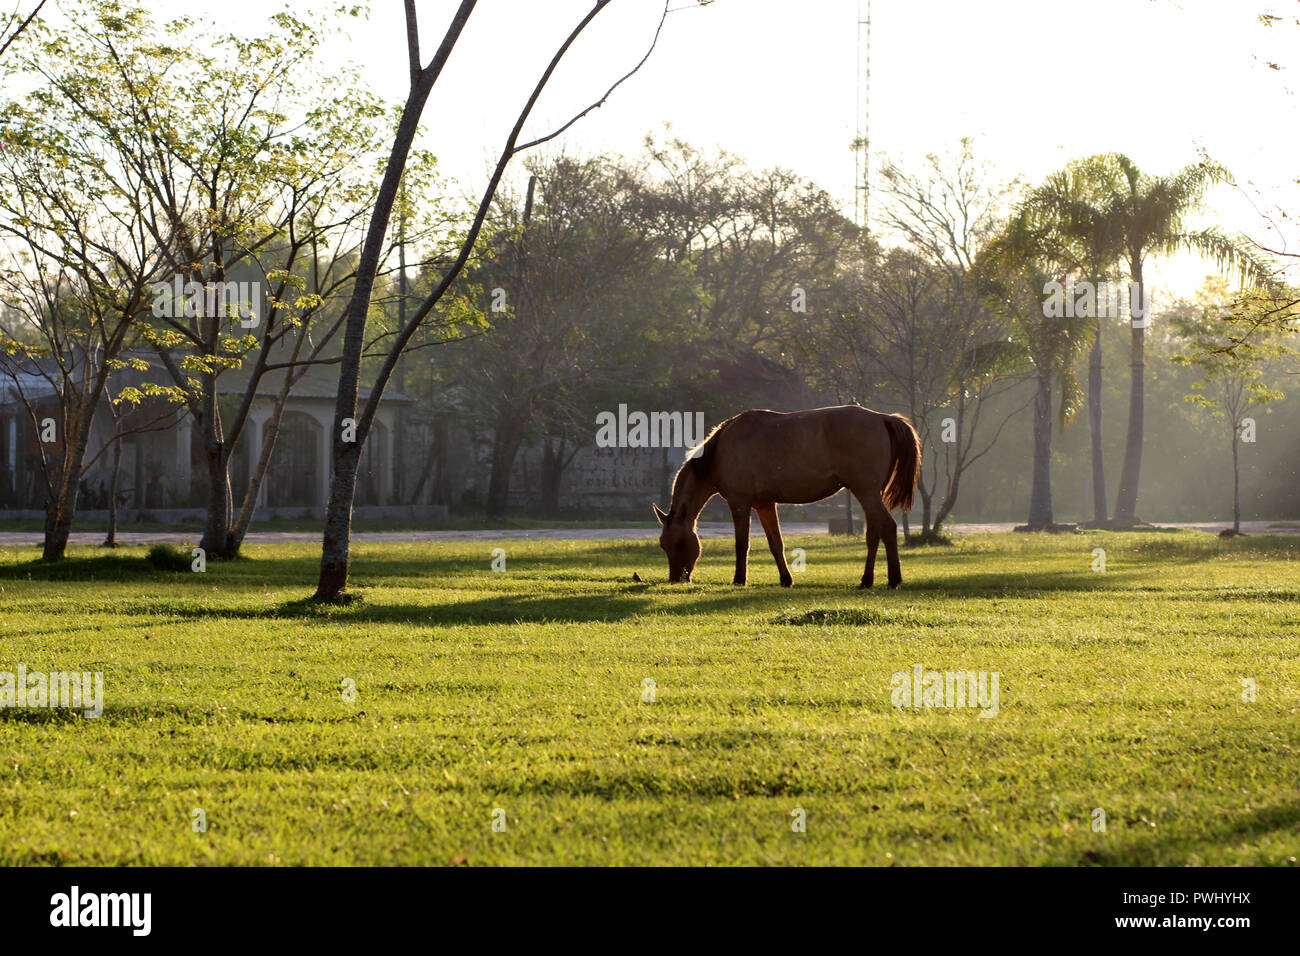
136	395
1235	372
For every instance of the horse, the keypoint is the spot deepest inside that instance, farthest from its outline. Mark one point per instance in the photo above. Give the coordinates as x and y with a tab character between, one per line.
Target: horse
760	458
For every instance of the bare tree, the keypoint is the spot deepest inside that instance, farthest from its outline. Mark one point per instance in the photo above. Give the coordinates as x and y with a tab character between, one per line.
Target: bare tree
911	330
350	426
80	264
22	24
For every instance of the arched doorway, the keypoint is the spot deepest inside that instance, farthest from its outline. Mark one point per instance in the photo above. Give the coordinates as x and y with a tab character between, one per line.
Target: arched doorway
292	480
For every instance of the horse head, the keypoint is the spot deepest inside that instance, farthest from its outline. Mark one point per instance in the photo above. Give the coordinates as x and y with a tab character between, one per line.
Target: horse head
681	543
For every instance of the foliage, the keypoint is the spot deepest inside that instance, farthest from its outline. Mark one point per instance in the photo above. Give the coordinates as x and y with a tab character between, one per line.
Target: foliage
1234	375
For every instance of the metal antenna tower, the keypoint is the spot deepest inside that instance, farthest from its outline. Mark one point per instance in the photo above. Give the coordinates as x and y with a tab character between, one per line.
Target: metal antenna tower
862	142
862	166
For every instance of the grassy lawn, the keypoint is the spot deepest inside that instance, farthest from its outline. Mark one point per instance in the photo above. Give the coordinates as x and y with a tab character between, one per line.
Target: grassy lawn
522	692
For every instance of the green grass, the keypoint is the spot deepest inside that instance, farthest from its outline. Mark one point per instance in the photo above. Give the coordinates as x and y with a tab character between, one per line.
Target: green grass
523	691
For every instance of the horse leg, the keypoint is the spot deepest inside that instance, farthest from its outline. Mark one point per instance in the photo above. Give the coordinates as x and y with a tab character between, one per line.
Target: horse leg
889	531
880	525
873	542
772	528
740	516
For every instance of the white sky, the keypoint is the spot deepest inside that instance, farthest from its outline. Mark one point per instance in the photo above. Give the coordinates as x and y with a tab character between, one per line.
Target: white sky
1036	82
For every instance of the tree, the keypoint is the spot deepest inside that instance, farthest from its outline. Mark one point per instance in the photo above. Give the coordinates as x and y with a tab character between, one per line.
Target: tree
1149	214
752	239
911	329
759	242
580	312
81	260
895	338
1068	206
351	427
14	27
1233	373
263	178
239	167
1024	266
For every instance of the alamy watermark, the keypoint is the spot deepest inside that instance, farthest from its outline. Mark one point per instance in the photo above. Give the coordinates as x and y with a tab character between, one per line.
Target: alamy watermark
923	688
650	430
198	300
129	910
74	690
1098	300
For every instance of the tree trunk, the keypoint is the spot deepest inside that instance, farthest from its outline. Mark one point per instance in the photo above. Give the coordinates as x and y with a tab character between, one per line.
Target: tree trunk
1040	497
336	542
1236	481
924	493
110	539
505	446
61	509
335	547
1126	502
441	478
58	526
949	499
430	461
216	533
239	528
1094	427
553	464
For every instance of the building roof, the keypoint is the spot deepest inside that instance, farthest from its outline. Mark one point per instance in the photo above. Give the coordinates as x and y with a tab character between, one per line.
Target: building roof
317	382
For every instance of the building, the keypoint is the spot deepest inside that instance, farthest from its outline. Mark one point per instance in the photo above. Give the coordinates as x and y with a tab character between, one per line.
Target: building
419	462
162	467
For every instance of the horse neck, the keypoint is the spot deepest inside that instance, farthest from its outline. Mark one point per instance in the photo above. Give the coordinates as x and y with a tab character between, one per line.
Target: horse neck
691	492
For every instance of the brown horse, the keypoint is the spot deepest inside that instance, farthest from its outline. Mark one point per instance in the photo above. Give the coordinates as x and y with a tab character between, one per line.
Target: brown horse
759	459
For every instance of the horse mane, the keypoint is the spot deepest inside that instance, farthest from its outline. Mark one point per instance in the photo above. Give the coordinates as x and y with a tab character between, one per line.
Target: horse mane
701	465
709	447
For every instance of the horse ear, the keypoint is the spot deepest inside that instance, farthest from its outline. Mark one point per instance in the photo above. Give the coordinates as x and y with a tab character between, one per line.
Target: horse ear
662	516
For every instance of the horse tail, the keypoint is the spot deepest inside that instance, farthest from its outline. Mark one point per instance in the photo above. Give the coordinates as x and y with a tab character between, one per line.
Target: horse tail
905	463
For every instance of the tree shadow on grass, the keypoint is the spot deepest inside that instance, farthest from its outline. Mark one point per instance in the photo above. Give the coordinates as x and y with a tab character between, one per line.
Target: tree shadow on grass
1176	843
623	601
40	716
111	712
496	609
108	567
298	570
587	593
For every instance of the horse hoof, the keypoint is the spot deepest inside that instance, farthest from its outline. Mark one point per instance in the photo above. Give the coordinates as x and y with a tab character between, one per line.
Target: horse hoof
787	582
893	585
864	586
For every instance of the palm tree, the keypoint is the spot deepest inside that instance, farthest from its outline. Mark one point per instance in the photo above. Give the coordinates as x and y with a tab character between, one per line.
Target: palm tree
1068	205
1019	264
1146	215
